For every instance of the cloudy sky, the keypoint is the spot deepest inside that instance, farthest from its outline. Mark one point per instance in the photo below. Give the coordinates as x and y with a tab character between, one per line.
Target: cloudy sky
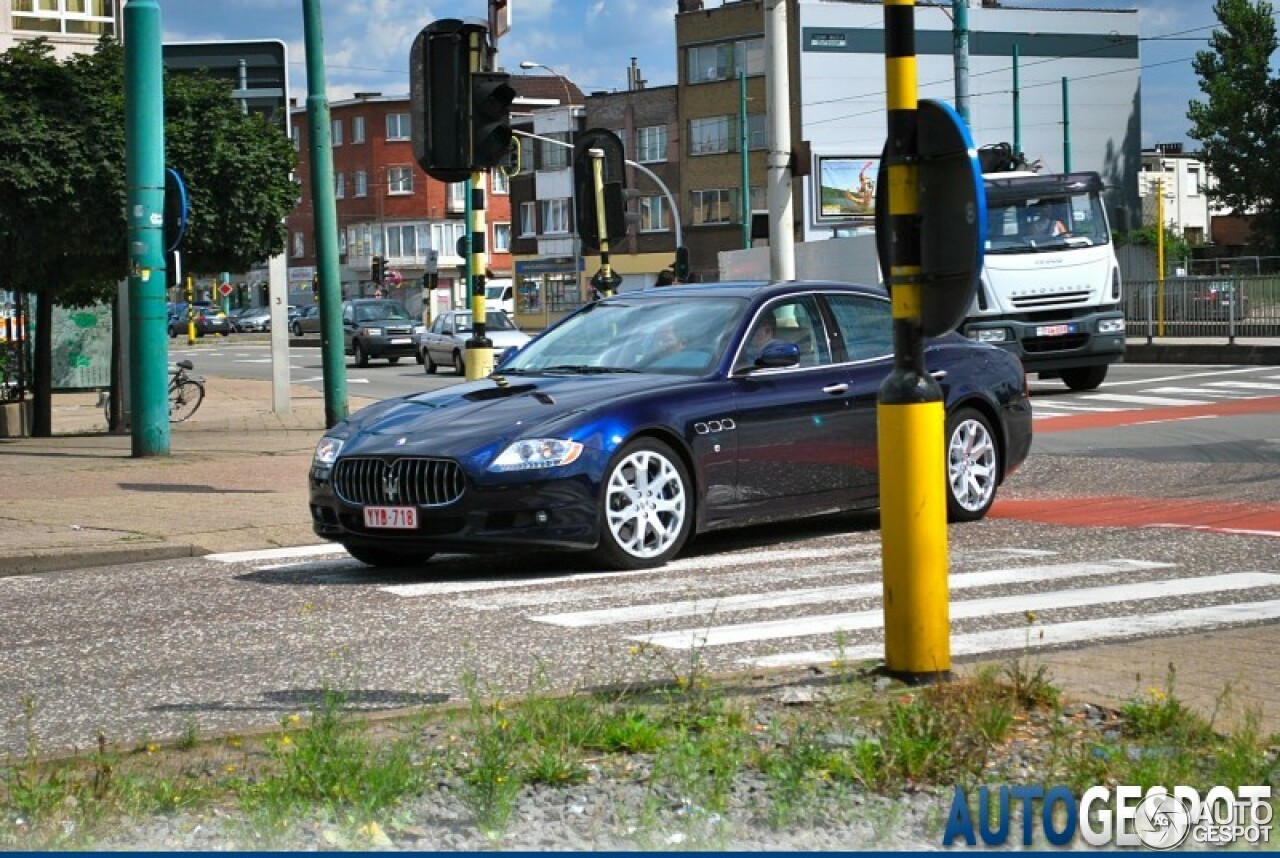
592	42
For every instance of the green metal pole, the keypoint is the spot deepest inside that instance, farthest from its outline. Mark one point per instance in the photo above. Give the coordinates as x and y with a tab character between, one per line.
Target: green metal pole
1066	127
746	167
144	175
1017	107
325	213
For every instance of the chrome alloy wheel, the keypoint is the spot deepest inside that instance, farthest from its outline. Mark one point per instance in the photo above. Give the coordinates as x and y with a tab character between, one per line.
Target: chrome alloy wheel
973	466
646	504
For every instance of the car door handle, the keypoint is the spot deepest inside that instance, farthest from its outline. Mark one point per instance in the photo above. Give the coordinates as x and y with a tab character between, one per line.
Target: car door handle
836	389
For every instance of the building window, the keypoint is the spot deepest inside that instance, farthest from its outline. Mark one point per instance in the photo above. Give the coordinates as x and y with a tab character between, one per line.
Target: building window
444	237
362	183
456	196
556	157
528	219
336	131
339	185
357	129
501	184
398	126
526	155
502	238
65	17
297	138
719	205
402	241
653	214
555	216
299	245
723	61
651	143
709	135
756	132
399	180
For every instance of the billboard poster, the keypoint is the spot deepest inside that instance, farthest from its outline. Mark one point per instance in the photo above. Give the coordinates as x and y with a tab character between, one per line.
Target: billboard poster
81	347
847	187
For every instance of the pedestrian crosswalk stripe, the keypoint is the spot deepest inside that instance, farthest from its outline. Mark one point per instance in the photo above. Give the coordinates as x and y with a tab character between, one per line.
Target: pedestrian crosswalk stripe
1251	385
1135	399
1041	635
1229	393
295	551
823	595
795	627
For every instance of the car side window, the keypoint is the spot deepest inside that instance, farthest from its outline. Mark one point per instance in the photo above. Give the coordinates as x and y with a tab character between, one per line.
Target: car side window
866	324
348	316
437	327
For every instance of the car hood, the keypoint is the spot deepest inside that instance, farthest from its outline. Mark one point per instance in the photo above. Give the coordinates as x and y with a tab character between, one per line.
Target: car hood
482	417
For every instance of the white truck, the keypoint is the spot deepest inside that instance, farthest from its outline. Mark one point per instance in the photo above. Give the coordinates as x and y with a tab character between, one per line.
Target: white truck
1050	287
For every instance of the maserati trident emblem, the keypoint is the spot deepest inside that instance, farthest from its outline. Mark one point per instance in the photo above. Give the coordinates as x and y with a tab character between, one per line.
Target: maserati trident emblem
400	442
391	485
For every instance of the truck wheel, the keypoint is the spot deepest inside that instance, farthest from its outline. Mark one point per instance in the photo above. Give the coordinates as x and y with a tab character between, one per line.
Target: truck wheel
973	466
1084	378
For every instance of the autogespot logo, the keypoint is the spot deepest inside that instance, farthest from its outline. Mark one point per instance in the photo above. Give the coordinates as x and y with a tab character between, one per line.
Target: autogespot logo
1157	818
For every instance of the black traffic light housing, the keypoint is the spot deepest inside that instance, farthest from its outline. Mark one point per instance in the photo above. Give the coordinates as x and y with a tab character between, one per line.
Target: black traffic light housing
681	266
491	97
440	97
378	270
584	187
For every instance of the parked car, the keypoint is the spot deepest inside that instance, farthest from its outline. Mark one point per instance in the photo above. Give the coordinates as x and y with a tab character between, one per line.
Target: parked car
378	328
647	418
208	317
307	321
499	294
254	320
445	342
1213	301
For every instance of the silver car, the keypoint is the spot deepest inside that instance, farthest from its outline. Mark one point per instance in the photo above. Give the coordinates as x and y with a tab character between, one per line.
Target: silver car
445	342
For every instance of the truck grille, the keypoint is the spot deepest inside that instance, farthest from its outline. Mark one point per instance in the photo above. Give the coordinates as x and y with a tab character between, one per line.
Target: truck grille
402	482
1057	299
398	330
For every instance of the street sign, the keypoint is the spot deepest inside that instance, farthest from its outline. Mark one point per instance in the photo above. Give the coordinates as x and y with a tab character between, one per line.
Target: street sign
499	18
953	217
256	70
224	290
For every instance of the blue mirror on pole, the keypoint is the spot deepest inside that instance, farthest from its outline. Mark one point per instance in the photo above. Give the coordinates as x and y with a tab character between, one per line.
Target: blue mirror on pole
177	207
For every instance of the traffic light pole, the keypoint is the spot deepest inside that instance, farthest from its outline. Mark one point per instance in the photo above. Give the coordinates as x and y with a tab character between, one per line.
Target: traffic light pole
606	282
910	416
479	349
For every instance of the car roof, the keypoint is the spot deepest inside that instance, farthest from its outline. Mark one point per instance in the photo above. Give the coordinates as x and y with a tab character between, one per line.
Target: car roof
762	290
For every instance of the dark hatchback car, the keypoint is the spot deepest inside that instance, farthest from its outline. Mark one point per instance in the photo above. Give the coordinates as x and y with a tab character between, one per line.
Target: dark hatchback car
647	418
378	328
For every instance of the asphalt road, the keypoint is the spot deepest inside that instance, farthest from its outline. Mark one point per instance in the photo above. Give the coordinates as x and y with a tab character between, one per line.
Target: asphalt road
236	642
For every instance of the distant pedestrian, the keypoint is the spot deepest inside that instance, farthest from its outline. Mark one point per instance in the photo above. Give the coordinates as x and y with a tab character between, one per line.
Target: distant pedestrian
666	277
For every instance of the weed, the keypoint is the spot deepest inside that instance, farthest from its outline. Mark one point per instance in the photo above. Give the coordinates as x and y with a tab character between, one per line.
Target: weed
490	780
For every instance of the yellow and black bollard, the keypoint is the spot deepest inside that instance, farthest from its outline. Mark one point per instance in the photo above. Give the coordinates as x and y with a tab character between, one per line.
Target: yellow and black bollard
605	285
479	349
910	412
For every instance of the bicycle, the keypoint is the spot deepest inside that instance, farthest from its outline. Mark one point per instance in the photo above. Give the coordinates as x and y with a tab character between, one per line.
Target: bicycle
186	392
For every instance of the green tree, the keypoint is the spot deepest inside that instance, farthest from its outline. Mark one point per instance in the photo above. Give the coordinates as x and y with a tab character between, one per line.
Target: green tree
1238	125
63	233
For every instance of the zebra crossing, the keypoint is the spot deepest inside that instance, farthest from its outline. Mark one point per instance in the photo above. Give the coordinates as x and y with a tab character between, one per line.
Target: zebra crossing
1190	389
822	602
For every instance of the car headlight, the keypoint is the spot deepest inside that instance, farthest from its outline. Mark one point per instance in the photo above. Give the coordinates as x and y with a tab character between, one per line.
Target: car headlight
1111	326
419	330
990	335
327	451
535	453
371	332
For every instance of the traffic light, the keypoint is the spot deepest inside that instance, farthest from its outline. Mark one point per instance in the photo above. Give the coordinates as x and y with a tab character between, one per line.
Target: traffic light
681	267
491	97
378	270
584	186
315	285
440	97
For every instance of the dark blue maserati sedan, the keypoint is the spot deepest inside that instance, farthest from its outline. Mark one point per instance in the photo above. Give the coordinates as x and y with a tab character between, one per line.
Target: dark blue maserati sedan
646	418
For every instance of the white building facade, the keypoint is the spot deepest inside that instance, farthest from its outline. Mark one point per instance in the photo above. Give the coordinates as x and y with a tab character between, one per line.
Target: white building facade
71	26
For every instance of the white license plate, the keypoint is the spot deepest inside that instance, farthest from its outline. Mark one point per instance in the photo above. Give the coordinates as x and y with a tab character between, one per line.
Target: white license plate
1055	330
391	517
400	341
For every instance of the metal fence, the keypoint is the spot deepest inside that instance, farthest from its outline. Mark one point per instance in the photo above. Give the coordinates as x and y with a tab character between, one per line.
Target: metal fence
1205	306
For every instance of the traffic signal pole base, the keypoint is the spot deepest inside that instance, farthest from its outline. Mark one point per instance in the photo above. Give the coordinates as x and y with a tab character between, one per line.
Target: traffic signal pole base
913	527
478	358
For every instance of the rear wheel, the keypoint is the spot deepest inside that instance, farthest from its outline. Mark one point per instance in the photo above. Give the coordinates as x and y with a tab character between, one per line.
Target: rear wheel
393	360
646	513
384	557
1085	378
973	466
184	399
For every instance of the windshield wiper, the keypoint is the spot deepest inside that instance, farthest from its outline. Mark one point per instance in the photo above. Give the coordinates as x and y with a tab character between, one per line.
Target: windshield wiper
583	369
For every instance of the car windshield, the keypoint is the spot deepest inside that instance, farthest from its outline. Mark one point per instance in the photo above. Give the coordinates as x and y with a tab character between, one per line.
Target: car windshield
494	320
384	310
683	335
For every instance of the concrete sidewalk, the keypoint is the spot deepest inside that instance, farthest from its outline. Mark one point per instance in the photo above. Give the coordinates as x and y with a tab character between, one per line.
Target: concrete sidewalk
235	480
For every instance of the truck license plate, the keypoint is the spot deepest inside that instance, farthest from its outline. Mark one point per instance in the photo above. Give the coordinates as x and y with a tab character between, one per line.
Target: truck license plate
1055	330
391	517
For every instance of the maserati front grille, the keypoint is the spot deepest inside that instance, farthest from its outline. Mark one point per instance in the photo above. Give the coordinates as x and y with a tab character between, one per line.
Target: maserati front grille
400	482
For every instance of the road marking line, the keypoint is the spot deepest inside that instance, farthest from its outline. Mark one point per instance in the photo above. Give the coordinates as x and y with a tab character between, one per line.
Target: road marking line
860	620
1039	636
844	593
1144	400
1240	531
1226	394
1256	385
277	553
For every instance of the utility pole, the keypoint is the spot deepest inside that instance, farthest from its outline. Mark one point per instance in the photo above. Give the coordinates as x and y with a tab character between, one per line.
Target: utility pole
325	213
1066	126
144	169
960	34
743	139
1017	107
782	239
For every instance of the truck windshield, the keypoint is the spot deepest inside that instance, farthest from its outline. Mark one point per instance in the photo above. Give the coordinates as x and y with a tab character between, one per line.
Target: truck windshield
1045	223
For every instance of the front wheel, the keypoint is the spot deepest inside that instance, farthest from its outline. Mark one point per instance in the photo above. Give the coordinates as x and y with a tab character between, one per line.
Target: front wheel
385	557
1085	377
358	354
427	363
184	398
973	466
647	509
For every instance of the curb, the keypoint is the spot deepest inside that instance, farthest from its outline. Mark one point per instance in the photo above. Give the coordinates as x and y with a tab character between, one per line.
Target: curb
60	560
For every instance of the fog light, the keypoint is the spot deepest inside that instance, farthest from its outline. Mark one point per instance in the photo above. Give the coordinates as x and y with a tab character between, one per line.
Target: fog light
540	516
